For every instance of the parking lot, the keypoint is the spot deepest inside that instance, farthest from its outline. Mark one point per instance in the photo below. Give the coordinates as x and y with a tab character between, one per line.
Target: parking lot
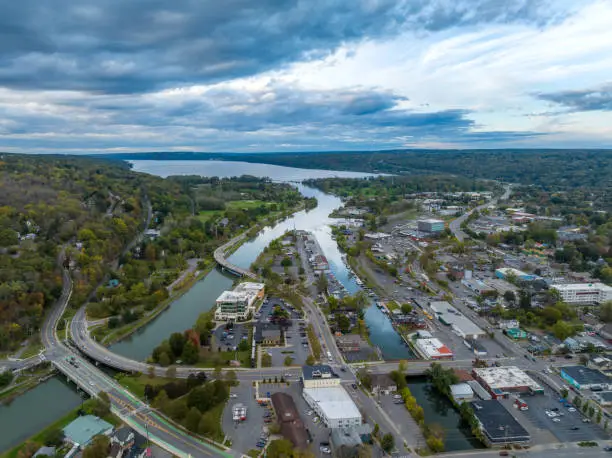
233	335
568	428
297	347
245	434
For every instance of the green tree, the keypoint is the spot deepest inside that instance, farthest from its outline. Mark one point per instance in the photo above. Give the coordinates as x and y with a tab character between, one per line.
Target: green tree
310	360
171	372
209	426
406	308
54	437
605	311
164	359
177	343
231	377
102	405
286	262
192	420
6	378
562	330
322	284
288	360
98	448
280	448
344	323
387	442
191	353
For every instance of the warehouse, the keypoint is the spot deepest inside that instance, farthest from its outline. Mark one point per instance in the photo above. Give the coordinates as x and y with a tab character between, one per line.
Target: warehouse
334	406
585	378
461	325
508	272
500	381
497	425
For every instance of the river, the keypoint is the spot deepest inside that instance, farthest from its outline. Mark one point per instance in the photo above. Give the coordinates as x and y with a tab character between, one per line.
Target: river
59	398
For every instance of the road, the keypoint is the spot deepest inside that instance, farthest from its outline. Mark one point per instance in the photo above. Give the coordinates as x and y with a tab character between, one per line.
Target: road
455	225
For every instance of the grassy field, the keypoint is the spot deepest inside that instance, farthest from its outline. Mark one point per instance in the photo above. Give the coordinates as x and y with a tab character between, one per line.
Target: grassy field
136	385
207	215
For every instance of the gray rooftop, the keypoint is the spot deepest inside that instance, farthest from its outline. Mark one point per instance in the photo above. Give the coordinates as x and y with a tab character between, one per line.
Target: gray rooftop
497	423
585	375
317	372
84	428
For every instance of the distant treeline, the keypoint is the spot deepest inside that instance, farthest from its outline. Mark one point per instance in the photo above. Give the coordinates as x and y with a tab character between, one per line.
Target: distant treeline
554	168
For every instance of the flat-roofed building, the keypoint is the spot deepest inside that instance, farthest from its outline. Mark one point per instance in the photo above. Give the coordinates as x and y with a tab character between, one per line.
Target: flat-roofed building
461	325
586	378
240	303
501	381
334	406
433	349
349	342
319	376
584	293
497	425
430	226
291	425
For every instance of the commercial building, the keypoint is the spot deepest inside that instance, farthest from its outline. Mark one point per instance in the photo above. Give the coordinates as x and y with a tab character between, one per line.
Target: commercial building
508	272
479	287
462	392
603	398
515	333
240	303
433	349
319	376
508	324
430	226
585	378
291	425
501	381
584	293
382	384
497	425
334	406
345	441
461	325
82	430
349	343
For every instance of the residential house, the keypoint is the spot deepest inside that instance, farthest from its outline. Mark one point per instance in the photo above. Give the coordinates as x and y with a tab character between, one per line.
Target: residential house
383	384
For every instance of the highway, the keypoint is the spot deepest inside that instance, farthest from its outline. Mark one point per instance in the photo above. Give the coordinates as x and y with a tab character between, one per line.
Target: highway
455	225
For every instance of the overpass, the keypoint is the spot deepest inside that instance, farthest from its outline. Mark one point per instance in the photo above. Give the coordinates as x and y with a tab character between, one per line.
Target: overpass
220	259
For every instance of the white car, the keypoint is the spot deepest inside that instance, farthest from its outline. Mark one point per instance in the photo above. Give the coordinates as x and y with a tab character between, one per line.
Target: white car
571	409
92	383
556	420
233	395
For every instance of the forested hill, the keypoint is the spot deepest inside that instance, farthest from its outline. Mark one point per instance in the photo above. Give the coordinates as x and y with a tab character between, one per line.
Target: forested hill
50	202
563	168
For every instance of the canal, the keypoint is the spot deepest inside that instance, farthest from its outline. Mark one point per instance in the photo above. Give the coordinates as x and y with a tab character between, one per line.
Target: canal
438	409
25	417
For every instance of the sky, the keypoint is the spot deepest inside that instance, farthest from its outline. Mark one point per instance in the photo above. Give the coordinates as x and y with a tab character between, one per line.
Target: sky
103	76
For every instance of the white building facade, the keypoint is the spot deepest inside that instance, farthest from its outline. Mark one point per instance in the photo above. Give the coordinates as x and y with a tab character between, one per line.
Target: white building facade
584	293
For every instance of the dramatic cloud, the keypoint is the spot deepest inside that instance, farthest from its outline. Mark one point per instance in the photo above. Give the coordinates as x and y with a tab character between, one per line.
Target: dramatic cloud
281	75
135	46
583	100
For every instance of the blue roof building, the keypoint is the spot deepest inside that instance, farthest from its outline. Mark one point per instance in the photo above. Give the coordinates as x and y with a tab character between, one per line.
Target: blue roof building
83	429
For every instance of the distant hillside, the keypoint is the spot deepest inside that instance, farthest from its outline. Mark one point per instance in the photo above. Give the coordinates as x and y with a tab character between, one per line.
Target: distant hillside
562	168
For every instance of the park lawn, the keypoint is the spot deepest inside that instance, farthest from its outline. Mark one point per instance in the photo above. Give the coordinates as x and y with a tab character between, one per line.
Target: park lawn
206	215
137	384
246	204
212	359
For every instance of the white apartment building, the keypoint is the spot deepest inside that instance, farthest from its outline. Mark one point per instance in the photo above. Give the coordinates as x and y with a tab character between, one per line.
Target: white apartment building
584	293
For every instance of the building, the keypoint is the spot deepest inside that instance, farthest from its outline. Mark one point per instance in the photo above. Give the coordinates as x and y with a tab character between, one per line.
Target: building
121	441
382	384
345	441
45	451
497	425
430	226
479	287
461	325
508	324
462	392
83	429
515	333
349	342
508	272
500	381
570	234
603	398
432	349
271	337
334	406
319	376
584	293
291	425
585	378
239	304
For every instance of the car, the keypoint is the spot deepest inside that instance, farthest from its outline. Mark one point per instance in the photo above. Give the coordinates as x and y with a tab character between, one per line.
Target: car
309	413
343	369
504	453
586	420
91	383
354	386
233	395
568	356
315	420
259	445
571	409
556	420
574	428
555	409
608	448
